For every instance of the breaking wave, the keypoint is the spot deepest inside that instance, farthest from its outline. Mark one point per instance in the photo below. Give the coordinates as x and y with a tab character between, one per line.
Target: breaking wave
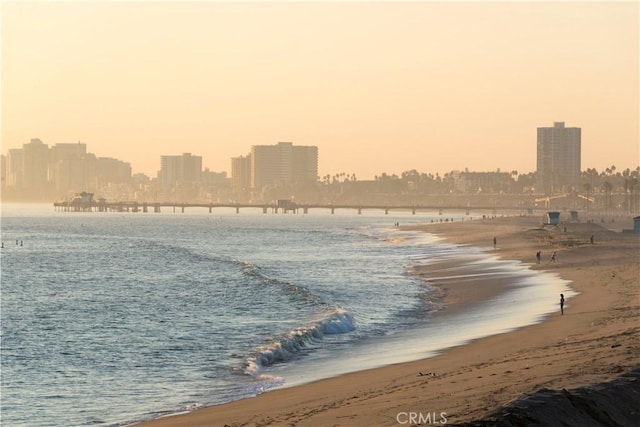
299	340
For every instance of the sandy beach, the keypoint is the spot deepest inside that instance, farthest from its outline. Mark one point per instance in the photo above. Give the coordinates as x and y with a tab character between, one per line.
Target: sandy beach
595	340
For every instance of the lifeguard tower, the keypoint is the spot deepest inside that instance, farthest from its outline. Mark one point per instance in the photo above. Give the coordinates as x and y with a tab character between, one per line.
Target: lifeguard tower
553	218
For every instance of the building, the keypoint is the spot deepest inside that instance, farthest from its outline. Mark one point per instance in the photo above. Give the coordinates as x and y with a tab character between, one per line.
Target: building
283	165
67	151
114	171
37	172
68	170
35	164
241	176
558	159
3	172
304	166
14	171
180	177
482	182
180	170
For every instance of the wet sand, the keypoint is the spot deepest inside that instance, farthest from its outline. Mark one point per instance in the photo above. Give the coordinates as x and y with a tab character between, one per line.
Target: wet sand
594	341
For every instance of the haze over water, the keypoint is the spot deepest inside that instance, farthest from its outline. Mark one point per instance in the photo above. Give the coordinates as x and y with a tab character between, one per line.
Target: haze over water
109	318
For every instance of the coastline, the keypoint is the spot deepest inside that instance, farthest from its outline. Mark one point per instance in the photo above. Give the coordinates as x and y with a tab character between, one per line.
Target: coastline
594	341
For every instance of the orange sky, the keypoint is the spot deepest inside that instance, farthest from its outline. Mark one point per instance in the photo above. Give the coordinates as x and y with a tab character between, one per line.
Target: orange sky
377	86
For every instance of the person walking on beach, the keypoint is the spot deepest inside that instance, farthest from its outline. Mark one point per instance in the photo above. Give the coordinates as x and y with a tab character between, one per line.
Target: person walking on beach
538	256
562	304
495	242
553	257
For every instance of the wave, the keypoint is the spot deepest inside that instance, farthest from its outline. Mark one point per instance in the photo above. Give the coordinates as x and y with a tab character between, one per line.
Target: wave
298	292
173	251
333	320
298	340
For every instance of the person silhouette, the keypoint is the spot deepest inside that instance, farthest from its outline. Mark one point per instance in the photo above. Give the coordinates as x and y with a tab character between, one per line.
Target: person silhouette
553	257
562	304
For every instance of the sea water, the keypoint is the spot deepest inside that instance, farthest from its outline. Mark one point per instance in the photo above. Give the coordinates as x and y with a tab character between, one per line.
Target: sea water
112	318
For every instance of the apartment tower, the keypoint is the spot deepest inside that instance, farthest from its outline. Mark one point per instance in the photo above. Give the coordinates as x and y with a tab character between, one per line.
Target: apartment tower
179	170
283	164
558	159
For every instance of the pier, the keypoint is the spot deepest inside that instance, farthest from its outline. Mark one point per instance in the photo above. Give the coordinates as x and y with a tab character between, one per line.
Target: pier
84	202
157	207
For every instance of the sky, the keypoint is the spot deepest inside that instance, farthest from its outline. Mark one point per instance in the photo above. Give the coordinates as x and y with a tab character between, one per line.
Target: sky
378	87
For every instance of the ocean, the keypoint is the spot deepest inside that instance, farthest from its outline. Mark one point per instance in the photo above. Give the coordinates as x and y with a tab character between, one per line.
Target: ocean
112	318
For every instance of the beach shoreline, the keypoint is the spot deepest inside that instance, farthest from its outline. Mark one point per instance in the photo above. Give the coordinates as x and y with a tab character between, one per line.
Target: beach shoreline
594	341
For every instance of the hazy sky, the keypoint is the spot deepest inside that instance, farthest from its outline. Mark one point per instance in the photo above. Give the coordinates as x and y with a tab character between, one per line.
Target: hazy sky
377	86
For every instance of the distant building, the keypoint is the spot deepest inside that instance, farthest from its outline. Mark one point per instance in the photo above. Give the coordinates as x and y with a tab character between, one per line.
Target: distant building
180	170
68	151
110	170
180	177
214	178
241	176
283	165
558	158
482	182
39	172
3	171
35	163
68	170
15	168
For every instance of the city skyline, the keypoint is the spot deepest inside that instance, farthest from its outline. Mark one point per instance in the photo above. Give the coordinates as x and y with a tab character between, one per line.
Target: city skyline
163	158
377	87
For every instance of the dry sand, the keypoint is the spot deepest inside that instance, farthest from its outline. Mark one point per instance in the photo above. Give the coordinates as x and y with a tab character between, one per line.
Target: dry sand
594	341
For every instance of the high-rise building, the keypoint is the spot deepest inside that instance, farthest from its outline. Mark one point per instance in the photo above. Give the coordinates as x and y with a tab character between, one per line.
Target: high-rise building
39	172
179	170
304	165
558	158
283	164
68	169
35	168
241	175
15	168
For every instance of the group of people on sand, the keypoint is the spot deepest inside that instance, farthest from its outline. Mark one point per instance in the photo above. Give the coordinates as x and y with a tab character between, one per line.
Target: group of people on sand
539	257
552	259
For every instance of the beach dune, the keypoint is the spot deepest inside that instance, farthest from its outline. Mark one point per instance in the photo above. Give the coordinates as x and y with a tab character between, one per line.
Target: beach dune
595	341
